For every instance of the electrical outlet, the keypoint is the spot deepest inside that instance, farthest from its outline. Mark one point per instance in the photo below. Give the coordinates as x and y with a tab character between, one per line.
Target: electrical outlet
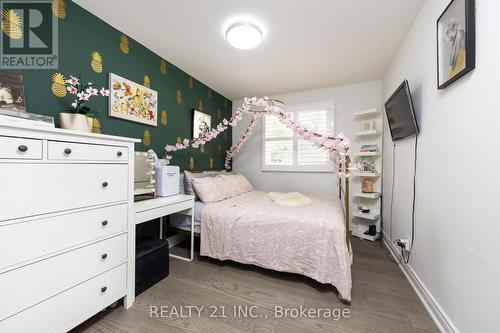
404	243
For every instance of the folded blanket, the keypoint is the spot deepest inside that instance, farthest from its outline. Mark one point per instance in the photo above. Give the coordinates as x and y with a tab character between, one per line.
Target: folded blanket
291	199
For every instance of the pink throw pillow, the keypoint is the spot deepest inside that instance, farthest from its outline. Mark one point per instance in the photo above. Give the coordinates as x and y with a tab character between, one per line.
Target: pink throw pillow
210	189
236	184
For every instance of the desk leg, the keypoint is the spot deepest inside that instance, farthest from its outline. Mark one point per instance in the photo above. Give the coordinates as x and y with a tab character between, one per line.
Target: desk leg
161	227
191	256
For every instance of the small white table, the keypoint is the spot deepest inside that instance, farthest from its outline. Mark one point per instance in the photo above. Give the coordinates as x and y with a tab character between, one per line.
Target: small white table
147	210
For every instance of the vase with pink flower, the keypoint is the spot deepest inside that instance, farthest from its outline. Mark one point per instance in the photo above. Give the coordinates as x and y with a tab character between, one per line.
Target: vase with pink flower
79	116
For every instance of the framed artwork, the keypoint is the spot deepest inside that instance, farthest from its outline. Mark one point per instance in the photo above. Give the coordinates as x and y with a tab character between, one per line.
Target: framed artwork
456	42
132	101
12	92
201	123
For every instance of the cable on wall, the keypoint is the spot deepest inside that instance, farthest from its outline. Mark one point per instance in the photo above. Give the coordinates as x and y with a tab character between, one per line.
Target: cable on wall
414	199
405	258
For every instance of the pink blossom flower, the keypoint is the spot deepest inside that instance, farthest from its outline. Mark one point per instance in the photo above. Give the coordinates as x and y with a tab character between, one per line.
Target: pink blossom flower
73	81
83	96
104	92
91	91
72	90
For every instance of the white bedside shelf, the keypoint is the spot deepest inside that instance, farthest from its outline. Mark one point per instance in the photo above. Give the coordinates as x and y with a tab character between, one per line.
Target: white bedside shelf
368	216
367	153
368	133
369	113
360	234
374	195
366	174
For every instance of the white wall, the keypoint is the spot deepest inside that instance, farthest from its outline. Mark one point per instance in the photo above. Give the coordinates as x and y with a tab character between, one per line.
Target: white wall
456	251
348	99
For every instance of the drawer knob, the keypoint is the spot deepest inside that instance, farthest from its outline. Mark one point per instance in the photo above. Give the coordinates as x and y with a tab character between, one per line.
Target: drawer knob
104	256
119	154
22	148
103	289
104	223
67	151
105	184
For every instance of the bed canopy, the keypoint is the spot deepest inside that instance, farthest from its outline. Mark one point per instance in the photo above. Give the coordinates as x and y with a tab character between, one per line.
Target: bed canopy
337	145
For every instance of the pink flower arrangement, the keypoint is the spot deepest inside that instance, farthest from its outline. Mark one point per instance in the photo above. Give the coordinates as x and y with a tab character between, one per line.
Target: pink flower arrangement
83	94
338	145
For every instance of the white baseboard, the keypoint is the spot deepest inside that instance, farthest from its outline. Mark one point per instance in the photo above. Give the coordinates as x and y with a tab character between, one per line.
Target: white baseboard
442	321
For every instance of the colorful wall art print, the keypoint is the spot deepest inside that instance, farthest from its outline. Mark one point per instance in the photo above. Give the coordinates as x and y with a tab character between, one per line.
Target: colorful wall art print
132	101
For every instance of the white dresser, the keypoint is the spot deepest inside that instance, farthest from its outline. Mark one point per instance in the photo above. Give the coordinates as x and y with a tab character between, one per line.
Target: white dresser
67	229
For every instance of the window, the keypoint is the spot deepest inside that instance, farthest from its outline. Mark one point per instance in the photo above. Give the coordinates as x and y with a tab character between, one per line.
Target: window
284	150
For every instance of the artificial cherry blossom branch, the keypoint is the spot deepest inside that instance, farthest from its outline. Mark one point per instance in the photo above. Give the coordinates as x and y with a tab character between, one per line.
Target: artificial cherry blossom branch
338	146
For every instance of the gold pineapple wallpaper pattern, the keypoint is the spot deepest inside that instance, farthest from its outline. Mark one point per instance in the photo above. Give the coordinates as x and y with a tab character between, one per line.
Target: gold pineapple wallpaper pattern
103	50
164	119
178	97
58	85
124	44
96	62
147	81
146	140
12	24
163	67
58	8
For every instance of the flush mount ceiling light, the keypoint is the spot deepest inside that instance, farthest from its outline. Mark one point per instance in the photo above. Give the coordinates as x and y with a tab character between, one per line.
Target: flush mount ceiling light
244	35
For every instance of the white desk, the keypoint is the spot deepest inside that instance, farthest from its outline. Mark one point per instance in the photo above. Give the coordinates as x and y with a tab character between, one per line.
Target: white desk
147	210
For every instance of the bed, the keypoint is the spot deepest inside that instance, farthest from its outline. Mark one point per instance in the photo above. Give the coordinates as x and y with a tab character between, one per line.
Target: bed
250	228
310	240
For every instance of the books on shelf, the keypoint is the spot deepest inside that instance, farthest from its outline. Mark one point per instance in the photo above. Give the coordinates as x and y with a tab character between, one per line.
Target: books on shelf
368	149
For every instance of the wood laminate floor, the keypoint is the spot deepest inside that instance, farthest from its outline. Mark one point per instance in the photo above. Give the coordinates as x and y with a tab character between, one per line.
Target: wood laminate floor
382	300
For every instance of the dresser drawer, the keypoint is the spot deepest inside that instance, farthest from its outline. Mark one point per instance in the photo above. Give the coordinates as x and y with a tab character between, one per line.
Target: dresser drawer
46	278
68	309
20	148
34	189
85	152
21	242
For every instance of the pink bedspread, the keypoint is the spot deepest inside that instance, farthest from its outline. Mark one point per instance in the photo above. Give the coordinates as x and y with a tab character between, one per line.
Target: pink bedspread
309	240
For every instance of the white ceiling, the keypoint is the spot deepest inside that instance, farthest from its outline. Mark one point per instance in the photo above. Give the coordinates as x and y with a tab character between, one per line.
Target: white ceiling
307	44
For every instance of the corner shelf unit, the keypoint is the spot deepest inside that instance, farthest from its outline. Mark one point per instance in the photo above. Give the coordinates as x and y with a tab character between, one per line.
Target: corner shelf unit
368	133
367	216
362	235
367	153
369	122
374	195
366	174
368	113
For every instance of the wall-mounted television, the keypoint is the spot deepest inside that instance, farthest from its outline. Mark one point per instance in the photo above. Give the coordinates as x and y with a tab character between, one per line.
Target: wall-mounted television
401	113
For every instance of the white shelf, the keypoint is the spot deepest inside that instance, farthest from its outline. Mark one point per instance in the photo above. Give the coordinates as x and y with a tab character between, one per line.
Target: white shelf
367	153
368	216
368	133
360	234
366	174
369	113
374	195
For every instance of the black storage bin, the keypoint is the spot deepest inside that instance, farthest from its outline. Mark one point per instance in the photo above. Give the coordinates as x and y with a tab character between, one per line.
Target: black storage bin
151	262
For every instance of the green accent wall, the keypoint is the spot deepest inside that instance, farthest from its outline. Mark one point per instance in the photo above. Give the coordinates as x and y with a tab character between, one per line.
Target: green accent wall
80	34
